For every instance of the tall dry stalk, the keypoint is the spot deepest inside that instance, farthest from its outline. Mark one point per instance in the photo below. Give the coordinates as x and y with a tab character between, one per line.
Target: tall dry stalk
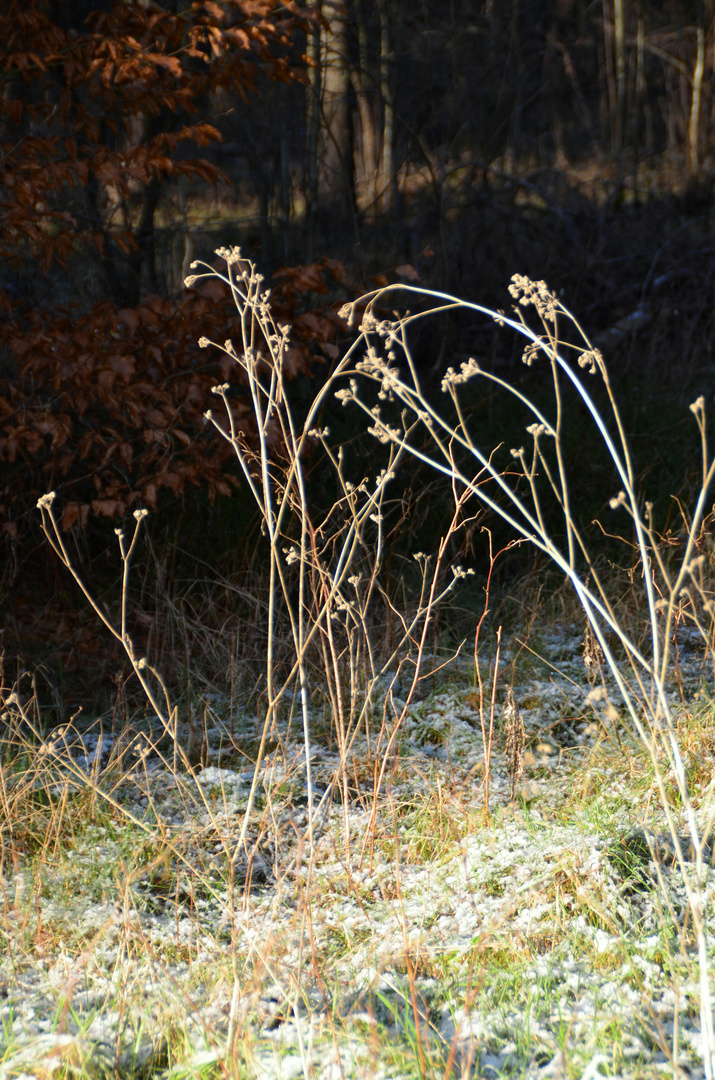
418	427
324	573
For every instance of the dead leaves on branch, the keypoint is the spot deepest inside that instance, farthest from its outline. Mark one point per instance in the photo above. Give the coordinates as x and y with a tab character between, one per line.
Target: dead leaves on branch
73	97
109	407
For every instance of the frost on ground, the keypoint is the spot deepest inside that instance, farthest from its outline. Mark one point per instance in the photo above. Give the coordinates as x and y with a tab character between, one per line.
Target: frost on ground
421	939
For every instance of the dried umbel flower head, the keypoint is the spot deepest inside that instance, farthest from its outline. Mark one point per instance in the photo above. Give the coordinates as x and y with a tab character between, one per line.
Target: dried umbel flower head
593	657
382	431
596	695
515	738
466	372
537	293
531	352
347	395
231	255
292	555
593	360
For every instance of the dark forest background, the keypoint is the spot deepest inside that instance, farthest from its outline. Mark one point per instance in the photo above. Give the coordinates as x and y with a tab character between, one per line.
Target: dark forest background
343	145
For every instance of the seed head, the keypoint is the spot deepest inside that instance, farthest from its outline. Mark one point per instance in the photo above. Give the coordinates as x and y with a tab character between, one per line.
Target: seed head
231	255
537	293
591	360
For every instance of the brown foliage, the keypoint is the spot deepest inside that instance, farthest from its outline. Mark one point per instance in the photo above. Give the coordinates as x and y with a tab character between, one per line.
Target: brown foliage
106	403
109	406
110	101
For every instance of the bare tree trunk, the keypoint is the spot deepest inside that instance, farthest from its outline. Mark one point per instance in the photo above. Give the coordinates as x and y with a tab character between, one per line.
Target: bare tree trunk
285	202
143	262
607	109
511	150
620	57
639	95
694	125
263	187
367	143
312	131
335	141
615	65
388	179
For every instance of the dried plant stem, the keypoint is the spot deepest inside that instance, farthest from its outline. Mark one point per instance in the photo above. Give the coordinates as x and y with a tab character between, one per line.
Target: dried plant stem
487	740
140	666
423	431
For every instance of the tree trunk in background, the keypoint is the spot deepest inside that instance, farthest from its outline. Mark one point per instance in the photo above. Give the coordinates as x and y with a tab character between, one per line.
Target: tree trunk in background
143	262
620	64
334	142
694	124
511	152
367	140
607	97
312	133
387	178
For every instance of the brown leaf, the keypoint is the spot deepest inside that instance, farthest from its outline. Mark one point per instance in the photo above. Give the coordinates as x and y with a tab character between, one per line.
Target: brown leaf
109	507
72	513
408	271
130	318
123	365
